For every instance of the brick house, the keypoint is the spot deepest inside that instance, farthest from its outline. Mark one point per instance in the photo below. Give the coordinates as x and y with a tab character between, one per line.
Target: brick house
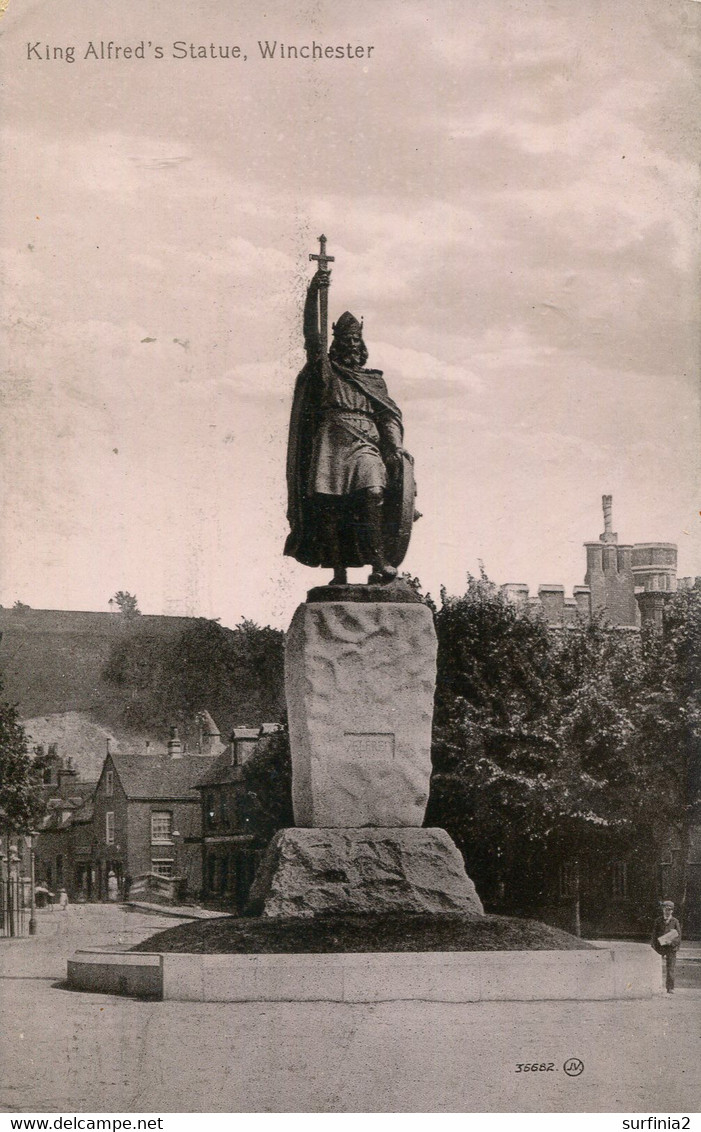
147	817
617	894
64	842
230	850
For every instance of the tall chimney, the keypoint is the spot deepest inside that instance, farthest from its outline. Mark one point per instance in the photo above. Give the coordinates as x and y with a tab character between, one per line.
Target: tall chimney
175	747
608	532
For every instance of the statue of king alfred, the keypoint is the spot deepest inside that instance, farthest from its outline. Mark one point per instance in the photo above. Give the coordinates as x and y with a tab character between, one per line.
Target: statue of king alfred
350	481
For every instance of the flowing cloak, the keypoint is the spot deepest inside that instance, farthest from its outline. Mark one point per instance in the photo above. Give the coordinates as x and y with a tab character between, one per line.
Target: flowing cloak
304	540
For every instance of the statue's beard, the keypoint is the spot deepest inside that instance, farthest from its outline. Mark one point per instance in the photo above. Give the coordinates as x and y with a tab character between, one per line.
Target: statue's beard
350	357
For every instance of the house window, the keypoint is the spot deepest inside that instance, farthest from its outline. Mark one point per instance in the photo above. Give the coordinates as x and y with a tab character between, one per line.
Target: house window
210	813
569	878
109	783
619	880
109	827
161	827
225	810
162	866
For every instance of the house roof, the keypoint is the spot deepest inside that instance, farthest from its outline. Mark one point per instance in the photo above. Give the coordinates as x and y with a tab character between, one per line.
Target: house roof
221	771
85	813
71	791
64	812
159	776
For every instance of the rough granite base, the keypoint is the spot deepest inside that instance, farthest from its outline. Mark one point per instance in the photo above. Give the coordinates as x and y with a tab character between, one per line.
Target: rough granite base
309	872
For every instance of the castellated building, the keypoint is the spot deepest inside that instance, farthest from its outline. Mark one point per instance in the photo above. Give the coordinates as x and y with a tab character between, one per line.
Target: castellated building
627	582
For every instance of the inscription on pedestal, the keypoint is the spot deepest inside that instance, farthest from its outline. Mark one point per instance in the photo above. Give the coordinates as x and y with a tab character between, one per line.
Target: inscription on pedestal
369	744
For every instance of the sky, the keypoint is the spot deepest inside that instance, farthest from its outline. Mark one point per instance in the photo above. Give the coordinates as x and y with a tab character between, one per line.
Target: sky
509	190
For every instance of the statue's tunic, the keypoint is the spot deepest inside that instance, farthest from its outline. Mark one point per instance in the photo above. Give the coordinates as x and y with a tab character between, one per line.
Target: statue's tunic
346	456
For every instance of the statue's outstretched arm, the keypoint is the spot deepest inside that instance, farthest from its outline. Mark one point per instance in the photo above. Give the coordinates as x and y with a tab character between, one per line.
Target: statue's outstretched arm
312	333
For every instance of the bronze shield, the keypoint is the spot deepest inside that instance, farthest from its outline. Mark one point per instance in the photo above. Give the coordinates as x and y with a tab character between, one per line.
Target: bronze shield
400	497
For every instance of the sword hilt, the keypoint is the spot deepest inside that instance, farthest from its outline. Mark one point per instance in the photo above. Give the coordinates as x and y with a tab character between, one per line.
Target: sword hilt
323	260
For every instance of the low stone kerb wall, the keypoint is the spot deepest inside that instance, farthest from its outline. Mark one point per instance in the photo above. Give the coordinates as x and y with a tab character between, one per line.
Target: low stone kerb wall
455	976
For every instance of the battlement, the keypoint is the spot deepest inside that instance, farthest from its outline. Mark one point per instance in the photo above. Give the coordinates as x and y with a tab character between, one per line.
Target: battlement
627	582
550	601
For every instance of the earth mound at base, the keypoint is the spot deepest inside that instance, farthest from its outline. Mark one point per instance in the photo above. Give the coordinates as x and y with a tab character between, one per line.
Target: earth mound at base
354	933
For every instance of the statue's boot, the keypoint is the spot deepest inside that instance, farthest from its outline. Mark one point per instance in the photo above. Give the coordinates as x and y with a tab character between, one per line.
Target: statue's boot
382	570
330	539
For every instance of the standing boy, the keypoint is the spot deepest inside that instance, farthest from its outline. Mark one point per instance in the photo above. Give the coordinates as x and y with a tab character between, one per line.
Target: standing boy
666	938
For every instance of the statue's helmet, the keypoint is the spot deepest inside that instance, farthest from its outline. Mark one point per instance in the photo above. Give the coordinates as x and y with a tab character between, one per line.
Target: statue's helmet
347	324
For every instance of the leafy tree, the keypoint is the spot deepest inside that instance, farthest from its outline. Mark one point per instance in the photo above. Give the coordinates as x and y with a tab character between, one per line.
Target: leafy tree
494	740
668	727
415	584
20	799
127	603
236	675
256	665
267	802
559	743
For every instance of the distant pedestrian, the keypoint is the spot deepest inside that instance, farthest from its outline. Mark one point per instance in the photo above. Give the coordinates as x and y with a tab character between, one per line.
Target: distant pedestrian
112	887
666	939
63	899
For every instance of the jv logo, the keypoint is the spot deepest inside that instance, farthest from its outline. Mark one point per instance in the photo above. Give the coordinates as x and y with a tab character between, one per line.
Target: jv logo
573	1067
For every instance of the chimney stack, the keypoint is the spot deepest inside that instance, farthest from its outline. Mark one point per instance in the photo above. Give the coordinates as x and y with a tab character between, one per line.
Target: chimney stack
67	772
175	747
608	533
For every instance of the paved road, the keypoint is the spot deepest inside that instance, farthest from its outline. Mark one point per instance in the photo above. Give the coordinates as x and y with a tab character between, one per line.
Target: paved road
63	1051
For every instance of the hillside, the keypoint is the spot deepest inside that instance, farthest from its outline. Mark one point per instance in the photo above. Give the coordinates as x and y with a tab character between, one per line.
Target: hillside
51	660
80	678
81	738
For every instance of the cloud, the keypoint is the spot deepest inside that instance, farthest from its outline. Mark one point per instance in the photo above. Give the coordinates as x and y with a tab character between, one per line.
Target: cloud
421	375
509	193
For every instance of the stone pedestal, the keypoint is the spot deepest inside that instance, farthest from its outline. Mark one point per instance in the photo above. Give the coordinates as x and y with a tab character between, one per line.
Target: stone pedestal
307	872
359	680
360	676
